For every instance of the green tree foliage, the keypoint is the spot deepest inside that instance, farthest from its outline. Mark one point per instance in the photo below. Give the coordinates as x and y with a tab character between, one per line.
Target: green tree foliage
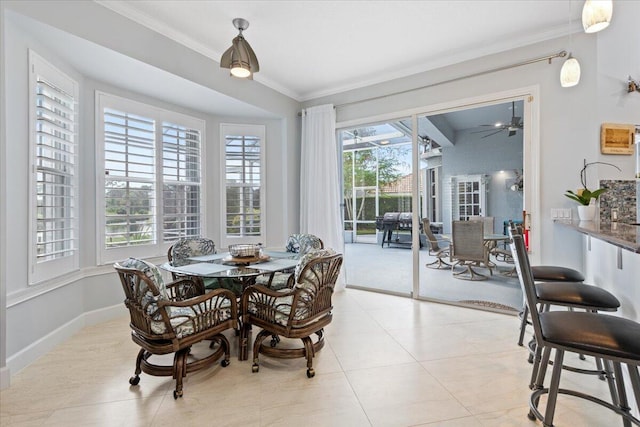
371	167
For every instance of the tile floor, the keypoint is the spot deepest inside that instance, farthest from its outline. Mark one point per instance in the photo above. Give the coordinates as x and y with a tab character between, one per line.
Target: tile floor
389	361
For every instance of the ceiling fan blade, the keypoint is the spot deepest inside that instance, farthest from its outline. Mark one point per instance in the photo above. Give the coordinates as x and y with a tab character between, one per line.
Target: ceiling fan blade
498	131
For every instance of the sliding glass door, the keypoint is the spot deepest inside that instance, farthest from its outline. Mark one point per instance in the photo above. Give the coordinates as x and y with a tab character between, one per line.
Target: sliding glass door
377	178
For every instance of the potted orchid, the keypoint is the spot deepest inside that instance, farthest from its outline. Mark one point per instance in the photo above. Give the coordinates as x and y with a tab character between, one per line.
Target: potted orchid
587	202
585	197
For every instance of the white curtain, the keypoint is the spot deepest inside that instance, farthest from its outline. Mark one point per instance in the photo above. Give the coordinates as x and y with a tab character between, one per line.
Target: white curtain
320	196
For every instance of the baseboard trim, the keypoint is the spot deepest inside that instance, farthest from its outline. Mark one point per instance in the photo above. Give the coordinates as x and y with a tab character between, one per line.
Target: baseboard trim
39	348
5	377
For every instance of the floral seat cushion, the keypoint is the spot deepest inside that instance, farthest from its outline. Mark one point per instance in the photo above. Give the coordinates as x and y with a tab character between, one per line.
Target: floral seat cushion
302	243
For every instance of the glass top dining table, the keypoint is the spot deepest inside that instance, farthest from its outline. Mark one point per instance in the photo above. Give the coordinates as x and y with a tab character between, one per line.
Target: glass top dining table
222	265
242	271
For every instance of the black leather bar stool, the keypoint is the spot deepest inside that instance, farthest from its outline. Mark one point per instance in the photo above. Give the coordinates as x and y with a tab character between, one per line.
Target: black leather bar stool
548	273
570	293
614	340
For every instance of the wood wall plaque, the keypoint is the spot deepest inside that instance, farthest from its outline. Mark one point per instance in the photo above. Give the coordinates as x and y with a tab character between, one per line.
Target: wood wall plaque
616	138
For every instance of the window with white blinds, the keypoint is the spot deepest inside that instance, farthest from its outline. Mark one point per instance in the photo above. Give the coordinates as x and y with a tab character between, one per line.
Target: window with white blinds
181	179
54	203
130	174
243	182
152	177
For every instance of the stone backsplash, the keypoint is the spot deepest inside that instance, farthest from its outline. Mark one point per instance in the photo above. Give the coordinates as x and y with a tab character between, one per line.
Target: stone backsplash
621	195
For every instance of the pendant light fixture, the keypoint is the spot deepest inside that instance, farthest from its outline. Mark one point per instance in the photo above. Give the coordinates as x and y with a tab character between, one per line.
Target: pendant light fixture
596	15
570	72
240	58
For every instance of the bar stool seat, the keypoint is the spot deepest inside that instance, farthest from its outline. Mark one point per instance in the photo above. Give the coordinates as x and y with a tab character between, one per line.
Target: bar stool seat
605	335
548	273
553	273
577	295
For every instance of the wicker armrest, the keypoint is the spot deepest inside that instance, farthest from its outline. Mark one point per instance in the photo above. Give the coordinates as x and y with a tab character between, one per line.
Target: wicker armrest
199	314
267	304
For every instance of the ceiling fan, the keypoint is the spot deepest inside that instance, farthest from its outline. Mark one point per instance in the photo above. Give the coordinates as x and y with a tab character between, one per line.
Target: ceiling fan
511	127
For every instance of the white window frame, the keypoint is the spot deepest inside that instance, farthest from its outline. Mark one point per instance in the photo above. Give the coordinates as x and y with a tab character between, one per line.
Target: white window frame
158	247
42	271
258	131
481	180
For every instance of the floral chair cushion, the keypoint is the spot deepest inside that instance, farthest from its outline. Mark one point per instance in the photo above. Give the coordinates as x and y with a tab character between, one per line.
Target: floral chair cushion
302	243
186	248
149	300
308	257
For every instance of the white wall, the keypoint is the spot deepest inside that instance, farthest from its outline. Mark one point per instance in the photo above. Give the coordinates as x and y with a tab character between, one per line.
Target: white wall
473	155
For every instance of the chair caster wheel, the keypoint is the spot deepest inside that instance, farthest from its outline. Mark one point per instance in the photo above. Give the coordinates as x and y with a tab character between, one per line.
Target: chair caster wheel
311	373
255	368
224	363
177	394
134	380
531	416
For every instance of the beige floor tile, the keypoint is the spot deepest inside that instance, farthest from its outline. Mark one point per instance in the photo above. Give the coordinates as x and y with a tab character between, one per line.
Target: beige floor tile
139	412
394	385
411	414
388	361
366	351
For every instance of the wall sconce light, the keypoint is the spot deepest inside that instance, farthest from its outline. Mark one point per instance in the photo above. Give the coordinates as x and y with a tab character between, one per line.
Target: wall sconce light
633	85
240	58
596	15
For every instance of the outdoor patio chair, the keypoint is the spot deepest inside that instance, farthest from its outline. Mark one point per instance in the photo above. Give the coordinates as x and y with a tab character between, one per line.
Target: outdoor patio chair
441	253
468	250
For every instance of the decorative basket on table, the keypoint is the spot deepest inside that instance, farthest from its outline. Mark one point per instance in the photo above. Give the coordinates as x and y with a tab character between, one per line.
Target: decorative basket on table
244	250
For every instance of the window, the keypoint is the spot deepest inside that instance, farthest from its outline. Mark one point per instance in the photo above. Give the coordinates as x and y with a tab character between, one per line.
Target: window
243	208
54	177
152	177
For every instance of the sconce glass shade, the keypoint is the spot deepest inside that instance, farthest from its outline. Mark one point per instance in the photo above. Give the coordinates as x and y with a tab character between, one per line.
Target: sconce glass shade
596	15
570	72
240	58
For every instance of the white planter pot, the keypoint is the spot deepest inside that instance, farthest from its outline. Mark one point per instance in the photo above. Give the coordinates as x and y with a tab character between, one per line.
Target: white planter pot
586	213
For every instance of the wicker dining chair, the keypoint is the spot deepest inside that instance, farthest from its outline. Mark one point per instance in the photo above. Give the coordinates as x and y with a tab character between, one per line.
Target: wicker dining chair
171	318
468	250
197	246
441	253
296	244
296	313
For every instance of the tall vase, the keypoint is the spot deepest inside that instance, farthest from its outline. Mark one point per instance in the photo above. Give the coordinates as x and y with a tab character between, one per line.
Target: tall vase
586	213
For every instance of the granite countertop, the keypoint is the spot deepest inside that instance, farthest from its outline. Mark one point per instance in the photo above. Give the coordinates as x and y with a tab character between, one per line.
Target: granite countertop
619	234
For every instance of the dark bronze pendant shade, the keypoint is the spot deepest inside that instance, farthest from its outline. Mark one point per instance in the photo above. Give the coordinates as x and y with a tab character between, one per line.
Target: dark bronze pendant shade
240	58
